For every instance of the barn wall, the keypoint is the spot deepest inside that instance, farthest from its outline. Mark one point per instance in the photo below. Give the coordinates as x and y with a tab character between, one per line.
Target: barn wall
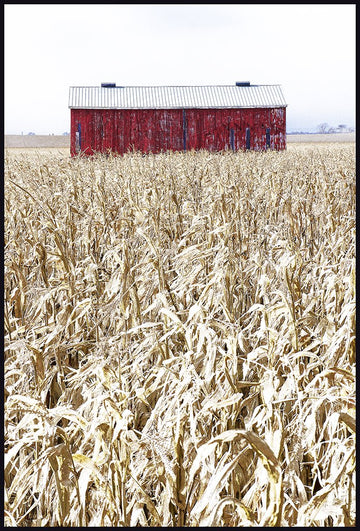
176	129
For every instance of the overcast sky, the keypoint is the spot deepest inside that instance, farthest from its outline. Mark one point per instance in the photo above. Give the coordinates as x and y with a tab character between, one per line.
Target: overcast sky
308	49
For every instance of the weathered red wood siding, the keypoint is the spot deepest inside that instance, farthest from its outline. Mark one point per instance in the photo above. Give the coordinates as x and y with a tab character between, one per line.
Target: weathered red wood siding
149	130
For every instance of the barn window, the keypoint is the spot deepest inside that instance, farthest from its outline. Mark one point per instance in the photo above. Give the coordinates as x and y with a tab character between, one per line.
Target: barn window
267	137
247	138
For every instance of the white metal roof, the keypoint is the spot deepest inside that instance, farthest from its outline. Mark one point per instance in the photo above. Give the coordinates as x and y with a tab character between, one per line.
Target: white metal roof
176	97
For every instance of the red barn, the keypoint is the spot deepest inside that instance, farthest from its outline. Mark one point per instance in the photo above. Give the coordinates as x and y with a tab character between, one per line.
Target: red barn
179	118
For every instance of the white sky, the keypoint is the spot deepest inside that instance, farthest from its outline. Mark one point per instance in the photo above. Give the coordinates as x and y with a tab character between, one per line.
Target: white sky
308	49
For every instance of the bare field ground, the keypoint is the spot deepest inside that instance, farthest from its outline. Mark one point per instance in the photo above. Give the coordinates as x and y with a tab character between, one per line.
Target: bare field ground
315	138
36	141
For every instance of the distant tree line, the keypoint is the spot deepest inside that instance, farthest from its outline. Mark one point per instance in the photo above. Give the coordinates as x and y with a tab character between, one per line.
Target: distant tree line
341	128
33	134
325	128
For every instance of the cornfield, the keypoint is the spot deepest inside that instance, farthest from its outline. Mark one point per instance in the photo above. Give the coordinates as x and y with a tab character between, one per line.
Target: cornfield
180	339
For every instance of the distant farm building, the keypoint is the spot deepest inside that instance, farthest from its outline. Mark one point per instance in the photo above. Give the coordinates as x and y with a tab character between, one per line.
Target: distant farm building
179	118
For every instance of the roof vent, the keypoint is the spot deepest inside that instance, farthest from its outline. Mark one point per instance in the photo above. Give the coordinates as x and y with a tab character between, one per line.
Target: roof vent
108	85
243	83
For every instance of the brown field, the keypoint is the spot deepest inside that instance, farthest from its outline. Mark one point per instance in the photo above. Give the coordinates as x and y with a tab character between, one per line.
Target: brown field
180	338
319	138
37	141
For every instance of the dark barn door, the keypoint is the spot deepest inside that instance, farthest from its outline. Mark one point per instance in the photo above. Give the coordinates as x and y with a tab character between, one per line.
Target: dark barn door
268	138
232	139
247	138
78	139
184	130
